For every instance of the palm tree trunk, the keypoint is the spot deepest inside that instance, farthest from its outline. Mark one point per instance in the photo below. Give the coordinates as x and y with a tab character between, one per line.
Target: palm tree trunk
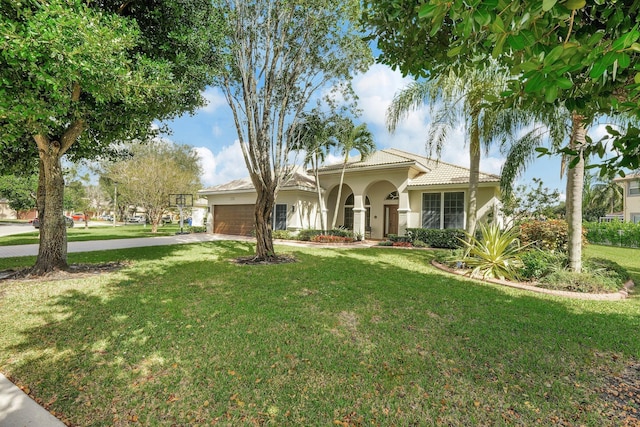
335	212
575	185
320	204
474	178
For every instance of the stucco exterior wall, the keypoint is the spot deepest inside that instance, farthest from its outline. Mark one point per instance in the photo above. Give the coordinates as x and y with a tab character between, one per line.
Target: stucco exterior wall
631	205
302	209
488	197
6	212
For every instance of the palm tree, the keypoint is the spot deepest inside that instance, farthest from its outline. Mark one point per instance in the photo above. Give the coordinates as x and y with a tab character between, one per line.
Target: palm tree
471	97
314	135
351	137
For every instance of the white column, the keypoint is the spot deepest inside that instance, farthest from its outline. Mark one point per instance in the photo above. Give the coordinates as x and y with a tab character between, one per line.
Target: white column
359	219
404	211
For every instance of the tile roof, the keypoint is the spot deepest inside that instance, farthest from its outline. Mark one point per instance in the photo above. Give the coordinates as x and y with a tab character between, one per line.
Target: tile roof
297	180
434	172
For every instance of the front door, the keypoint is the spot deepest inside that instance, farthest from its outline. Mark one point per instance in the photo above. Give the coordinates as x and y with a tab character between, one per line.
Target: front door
390	219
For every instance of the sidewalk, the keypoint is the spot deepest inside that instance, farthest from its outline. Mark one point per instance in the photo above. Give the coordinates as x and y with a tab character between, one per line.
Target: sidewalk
19	410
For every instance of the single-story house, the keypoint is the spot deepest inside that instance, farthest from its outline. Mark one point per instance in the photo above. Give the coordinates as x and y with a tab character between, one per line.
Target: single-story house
631	197
385	193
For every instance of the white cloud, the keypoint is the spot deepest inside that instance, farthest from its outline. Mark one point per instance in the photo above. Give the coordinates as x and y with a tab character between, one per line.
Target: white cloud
224	166
214	100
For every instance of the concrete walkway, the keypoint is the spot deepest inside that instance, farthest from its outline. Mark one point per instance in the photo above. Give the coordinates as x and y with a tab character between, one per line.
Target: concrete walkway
19	410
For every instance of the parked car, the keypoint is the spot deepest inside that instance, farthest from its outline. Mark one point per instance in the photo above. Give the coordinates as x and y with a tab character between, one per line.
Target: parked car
166	219
137	219
106	218
78	216
68	221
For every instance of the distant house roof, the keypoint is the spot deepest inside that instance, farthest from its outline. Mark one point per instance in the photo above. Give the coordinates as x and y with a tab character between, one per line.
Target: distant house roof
298	180
629	177
430	171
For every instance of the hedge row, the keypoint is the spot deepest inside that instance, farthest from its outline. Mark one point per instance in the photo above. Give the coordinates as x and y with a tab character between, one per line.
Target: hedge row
616	233
447	239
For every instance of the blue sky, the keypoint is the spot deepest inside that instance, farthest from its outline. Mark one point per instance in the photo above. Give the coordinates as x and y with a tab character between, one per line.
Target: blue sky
212	133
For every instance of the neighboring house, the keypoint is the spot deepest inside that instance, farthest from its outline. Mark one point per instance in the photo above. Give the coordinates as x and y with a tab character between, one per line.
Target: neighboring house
631	197
388	192
5	211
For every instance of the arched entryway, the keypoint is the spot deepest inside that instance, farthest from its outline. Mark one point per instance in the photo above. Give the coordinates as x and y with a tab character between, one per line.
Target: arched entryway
384	202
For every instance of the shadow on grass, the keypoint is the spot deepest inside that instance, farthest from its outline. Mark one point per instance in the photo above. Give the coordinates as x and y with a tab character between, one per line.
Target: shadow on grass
337	333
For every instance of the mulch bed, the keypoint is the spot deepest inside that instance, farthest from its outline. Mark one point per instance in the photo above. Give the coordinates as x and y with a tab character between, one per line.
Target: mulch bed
252	260
74	271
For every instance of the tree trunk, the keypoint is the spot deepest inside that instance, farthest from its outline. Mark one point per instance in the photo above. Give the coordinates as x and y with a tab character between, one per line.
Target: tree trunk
335	212
575	185
263	211
320	204
52	253
474	177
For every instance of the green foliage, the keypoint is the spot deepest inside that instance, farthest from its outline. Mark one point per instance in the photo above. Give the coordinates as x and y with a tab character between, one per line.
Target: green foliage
531	202
385	243
196	229
598	280
615	233
495	255
539	263
419	244
306	234
436	238
20	191
340	232
282	234
551	235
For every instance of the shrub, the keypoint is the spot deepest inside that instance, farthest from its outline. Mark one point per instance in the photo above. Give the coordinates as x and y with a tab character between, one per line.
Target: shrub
197	229
282	234
307	234
326	238
496	255
616	233
538	264
566	280
551	235
419	244
402	244
436	238
598	275
340	232
385	243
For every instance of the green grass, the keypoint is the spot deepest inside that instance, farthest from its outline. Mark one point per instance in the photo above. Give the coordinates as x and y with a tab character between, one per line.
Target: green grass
353	337
106	232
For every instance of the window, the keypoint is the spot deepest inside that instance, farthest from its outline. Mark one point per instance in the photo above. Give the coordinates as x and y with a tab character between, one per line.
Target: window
635	218
348	212
280	217
634	188
443	210
393	196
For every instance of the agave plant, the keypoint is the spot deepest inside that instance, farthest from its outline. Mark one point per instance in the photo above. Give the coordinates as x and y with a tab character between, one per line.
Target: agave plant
495	255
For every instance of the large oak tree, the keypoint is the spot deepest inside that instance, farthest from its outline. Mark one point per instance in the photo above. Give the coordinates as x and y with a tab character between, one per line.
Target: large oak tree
77	75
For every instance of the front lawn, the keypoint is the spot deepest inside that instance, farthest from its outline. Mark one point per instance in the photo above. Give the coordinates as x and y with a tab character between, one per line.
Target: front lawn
100	232
344	337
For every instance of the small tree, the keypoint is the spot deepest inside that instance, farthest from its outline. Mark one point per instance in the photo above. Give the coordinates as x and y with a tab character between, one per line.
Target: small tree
314	135
351	138
153	172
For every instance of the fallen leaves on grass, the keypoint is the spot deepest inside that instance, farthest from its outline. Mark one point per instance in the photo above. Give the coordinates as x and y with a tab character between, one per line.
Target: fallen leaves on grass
622	394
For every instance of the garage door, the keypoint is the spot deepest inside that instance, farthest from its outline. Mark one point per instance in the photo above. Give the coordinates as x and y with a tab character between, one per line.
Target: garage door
233	219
